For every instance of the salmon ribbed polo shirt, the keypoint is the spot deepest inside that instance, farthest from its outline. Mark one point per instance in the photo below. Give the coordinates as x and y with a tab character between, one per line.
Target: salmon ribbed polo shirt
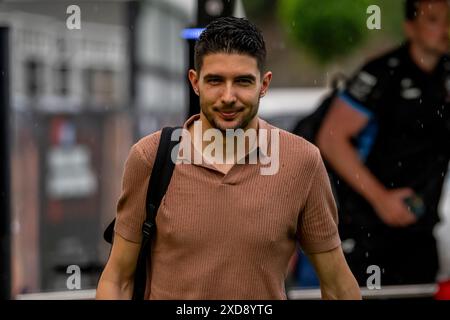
229	236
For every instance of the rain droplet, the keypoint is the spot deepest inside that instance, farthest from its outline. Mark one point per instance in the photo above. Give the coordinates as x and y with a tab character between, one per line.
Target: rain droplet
399	164
367	254
368	235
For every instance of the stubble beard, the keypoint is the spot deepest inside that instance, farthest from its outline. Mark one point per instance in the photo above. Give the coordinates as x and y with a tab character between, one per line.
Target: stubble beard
242	124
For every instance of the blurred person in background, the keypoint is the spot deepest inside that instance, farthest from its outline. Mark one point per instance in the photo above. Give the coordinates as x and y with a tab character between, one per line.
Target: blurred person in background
387	137
224	231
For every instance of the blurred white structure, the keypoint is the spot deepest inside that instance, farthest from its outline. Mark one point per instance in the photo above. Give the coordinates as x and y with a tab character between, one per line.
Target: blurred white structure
294	101
54	67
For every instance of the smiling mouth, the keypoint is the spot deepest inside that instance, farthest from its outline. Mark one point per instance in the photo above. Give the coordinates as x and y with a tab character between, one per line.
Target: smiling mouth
229	115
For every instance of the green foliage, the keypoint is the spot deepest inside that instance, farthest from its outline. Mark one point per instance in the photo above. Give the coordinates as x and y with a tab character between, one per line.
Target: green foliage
331	29
259	7
391	17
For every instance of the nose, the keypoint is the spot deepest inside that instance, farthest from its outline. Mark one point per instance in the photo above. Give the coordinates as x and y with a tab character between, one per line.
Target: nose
228	95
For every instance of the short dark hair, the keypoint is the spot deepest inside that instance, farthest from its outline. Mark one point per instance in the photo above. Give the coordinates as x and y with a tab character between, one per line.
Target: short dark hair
412	7
231	35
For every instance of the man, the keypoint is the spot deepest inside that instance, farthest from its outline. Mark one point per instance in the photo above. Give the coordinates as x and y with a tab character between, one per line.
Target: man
387	137
227	231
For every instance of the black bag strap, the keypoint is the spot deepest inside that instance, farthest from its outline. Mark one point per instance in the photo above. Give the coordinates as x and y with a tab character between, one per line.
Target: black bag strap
158	183
162	171
157	187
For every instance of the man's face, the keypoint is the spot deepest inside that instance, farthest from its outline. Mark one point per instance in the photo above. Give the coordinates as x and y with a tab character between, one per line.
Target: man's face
230	87
430	30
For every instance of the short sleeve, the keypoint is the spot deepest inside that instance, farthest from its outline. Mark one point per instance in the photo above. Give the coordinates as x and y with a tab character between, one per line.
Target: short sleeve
317	229
131	204
366	88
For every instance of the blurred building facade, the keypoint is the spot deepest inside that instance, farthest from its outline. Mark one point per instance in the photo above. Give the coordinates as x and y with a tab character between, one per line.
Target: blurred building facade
79	100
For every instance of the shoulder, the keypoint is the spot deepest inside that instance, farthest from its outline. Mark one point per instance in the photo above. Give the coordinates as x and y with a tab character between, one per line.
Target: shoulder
297	151
446	58
380	69
446	62
376	75
390	60
146	148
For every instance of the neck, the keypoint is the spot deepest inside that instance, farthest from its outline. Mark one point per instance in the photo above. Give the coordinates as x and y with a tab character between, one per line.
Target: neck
424	59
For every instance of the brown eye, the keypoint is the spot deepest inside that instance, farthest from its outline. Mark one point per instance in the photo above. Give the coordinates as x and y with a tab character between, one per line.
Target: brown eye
213	81
244	81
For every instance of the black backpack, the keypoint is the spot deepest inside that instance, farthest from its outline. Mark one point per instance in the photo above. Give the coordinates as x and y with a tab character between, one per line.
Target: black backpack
309	126
157	187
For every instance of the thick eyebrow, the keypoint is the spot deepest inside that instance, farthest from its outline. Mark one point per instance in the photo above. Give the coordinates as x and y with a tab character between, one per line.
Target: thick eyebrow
212	76
216	76
246	77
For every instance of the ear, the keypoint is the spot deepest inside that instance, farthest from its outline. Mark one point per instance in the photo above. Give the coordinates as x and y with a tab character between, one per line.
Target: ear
193	78
267	78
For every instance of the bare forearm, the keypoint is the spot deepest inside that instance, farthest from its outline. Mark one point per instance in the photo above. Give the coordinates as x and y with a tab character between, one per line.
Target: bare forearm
344	159
114	290
337	281
336	278
347	290
117	279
